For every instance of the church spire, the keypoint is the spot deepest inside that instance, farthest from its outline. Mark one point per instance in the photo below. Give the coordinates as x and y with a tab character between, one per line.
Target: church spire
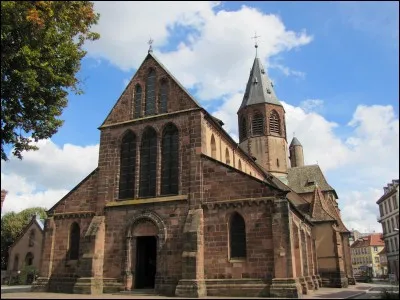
259	87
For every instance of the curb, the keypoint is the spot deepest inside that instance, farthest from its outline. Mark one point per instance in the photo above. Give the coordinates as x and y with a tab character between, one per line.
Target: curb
356	295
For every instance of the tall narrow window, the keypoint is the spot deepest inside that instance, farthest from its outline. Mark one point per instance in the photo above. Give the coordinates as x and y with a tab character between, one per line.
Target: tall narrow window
127	166
148	163
150	107
227	157
16	262
29	259
170	161
31	238
164	96
257	124
237	238
274	123
74	240
240	165
243	129
213	147
138	101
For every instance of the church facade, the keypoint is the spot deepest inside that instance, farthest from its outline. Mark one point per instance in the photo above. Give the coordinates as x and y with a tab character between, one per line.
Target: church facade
176	205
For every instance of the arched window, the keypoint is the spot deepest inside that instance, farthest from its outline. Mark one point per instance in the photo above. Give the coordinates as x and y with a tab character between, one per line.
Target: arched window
240	165
243	129
213	147
148	163
227	157
74	240
138	101
150	107
31	238
29	259
274	123
16	262
257	124
163	96
237	236
127	166
170	160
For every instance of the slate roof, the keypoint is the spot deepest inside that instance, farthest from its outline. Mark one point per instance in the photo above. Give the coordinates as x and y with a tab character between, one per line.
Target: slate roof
295	142
303	179
318	208
259	88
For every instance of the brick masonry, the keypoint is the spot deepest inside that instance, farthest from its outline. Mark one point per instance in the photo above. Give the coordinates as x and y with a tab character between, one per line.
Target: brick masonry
192	228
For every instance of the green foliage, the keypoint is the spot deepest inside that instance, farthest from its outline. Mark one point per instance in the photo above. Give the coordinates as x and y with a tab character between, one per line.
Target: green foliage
41	52
12	225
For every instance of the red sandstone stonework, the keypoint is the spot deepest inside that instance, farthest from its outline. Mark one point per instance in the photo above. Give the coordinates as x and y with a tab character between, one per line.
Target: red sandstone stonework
192	245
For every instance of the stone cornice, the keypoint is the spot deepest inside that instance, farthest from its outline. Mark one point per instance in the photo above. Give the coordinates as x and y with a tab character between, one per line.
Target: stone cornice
117	203
238	202
71	215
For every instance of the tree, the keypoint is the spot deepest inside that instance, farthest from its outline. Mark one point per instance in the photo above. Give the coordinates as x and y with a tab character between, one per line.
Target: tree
41	52
12	225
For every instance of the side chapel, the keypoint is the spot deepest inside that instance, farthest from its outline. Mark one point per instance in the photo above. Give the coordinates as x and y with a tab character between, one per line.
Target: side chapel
177	206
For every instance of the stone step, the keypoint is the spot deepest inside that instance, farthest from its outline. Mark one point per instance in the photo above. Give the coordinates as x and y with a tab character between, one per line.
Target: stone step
140	292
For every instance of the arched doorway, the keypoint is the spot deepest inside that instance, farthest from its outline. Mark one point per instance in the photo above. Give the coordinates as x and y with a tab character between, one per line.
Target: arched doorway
145	236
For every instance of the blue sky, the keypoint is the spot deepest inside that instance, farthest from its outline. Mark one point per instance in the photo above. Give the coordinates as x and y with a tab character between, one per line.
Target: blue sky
333	64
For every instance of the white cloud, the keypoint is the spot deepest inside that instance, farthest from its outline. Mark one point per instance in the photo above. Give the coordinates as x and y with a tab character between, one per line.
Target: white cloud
44	176
311	105
218	43
287	71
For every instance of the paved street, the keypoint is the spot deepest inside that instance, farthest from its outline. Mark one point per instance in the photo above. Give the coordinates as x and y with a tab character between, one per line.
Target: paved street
359	291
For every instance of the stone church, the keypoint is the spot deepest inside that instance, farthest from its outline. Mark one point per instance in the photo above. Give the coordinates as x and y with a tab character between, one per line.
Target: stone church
177	206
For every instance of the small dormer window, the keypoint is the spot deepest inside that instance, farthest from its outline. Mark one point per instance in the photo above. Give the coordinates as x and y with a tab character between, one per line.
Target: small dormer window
255	80
262	71
268	91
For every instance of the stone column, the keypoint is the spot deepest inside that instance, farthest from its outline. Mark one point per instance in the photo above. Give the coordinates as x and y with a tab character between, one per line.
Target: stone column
317	276
284	284
312	261
308	254
347	258
192	283
128	263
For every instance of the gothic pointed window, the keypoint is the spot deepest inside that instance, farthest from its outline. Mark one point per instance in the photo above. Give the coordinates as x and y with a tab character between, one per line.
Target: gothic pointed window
148	163
164	96
243	129
150	106
170	161
274	123
138	101
127	166
257	124
29	259
74	240
31	238
213	147
237	236
227	157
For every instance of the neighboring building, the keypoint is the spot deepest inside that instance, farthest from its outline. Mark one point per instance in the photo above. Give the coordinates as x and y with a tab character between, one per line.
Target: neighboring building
178	206
365	254
27	249
3	197
383	261
355	235
389	218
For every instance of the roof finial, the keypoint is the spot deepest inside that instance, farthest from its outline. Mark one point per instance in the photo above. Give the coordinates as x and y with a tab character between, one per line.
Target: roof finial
150	42
255	41
294	134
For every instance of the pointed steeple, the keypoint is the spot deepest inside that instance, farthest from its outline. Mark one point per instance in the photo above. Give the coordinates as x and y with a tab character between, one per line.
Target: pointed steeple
259	87
295	142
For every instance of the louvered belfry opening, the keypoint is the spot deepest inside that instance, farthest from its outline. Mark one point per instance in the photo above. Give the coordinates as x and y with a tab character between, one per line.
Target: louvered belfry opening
150	106
258	124
243	129
138	101
148	163
237	238
274	123
213	147
127	166
170	160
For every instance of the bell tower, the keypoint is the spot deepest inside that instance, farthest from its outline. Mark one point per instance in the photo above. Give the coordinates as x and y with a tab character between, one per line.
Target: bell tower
262	125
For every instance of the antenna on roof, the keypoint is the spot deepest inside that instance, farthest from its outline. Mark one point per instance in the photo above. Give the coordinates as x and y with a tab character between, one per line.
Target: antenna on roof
255	41
150	42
